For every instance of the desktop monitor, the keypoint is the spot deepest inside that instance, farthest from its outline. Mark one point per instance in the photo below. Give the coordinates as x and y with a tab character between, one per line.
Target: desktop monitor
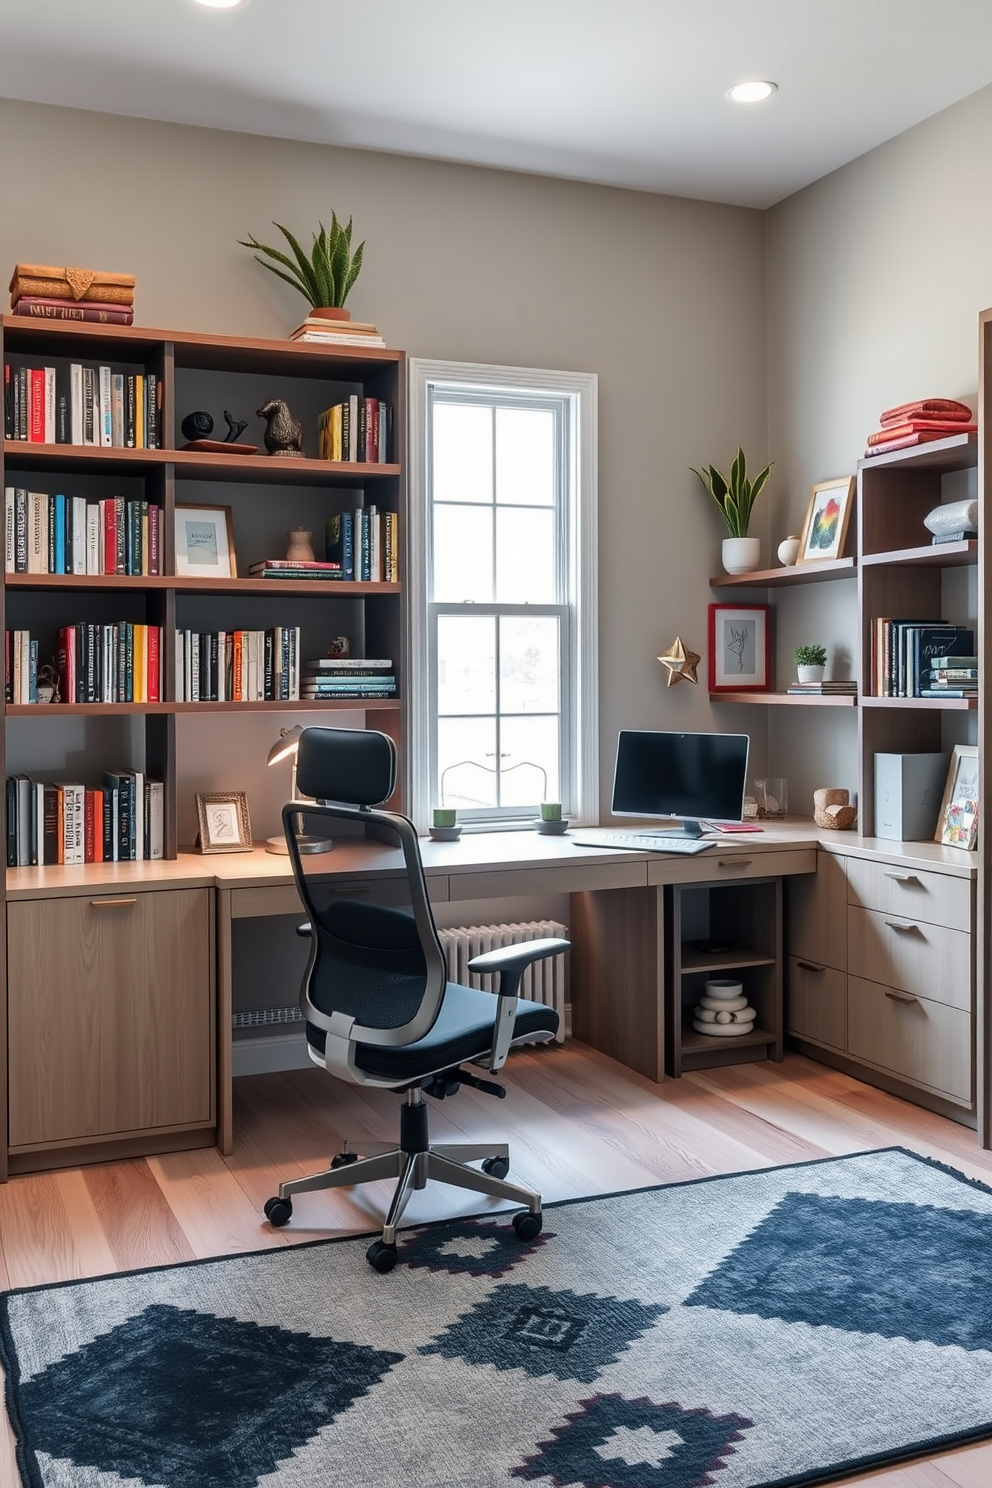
691	777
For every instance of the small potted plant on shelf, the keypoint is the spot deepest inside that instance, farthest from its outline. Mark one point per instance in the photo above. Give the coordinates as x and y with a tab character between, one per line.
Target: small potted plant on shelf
810	662
325	277
735	496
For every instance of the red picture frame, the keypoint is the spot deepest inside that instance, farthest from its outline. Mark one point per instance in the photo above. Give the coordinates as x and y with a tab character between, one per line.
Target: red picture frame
740	648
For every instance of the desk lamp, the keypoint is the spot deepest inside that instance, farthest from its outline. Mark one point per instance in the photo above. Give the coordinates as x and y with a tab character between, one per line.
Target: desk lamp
285	746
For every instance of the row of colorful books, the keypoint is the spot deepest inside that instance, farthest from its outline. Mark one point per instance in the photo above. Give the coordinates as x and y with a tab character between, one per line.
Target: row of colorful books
119	663
338	678
238	666
121	821
58	534
905	654
359	429
365	542
76	403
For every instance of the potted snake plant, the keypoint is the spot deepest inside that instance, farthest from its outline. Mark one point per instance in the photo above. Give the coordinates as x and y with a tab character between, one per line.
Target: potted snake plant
325	275
735	496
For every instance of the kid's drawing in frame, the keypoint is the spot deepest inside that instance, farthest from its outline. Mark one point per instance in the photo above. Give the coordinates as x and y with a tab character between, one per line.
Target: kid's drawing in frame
827	516
740	648
957	824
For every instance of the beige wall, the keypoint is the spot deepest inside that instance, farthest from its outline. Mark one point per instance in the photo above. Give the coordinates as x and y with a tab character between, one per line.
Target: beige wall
663	298
876	276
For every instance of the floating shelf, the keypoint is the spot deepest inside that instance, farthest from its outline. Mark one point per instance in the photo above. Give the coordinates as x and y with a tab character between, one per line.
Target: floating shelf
923	705
938	555
798	573
774	699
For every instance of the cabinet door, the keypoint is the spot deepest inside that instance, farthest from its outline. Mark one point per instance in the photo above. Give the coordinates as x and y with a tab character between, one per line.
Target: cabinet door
110	1015
816	1003
817	913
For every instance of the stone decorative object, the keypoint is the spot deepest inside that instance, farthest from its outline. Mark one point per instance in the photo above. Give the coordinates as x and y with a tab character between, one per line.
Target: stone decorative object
300	548
953	521
832	809
681	663
723	1010
789	549
283	430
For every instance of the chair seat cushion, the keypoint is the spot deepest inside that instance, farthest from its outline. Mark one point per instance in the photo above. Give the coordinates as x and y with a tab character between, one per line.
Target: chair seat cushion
462	1031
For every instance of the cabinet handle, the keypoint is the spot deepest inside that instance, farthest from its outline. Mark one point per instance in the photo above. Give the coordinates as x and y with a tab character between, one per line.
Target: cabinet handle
734	863
904	878
114	903
900	996
352	892
809	966
909	929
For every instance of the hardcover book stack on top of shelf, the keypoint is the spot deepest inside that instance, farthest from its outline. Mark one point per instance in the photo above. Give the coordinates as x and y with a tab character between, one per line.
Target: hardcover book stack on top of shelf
921	422
337	332
42	292
77	403
67	822
838	687
347	678
953	677
903	653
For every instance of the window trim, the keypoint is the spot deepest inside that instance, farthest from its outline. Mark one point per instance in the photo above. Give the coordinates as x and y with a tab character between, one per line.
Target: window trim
581	390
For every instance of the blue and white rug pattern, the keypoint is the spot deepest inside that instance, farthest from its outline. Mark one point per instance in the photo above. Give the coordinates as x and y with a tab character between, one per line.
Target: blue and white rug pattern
777	1327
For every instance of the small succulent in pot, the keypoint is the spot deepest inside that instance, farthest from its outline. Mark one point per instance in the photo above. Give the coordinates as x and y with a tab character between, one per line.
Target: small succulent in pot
810	656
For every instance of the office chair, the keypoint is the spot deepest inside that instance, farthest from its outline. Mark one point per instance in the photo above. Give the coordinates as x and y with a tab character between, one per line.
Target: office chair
378	1005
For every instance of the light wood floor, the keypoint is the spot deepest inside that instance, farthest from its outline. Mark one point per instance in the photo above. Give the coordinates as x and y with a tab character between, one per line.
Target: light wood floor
577	1123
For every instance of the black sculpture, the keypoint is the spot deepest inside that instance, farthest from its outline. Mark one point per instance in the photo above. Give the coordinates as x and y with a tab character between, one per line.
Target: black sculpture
235	428
283	431
197	426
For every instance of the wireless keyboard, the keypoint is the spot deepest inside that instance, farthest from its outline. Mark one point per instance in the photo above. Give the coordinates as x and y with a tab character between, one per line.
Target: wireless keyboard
644	842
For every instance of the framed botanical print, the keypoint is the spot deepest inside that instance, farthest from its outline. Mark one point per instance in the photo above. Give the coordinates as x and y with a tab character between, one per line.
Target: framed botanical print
740	648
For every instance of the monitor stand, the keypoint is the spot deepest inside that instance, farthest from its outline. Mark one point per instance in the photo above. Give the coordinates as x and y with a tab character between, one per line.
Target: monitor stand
689	827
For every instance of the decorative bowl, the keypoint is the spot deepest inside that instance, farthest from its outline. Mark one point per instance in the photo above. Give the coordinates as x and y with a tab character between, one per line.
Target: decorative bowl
552	828
445	834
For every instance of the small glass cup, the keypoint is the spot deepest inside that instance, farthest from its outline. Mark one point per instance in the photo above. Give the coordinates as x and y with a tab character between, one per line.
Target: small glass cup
772	793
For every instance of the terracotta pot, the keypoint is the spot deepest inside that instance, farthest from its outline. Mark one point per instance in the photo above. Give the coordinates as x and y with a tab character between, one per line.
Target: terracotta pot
329	312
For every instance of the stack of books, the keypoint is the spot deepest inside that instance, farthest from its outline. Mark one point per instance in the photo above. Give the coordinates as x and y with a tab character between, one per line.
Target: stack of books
837	688
904	651
333	679
920	423
951	677
338	332
42	292
68	822
294	568
79	404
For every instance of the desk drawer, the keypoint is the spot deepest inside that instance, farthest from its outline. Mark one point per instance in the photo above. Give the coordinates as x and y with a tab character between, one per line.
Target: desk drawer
816	1003
557	878
938	898
915	957
921	1041
282	899
723	863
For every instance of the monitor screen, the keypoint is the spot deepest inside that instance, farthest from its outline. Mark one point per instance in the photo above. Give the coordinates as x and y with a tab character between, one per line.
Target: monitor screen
694	776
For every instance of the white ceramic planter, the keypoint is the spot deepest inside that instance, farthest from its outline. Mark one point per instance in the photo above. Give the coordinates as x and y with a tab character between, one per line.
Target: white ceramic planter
741	554
788	550
810	673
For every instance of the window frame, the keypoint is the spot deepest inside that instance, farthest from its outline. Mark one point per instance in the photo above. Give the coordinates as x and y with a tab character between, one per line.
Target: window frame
577	554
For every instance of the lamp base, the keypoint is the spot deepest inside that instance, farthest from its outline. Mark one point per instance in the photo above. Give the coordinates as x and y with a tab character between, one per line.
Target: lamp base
305	844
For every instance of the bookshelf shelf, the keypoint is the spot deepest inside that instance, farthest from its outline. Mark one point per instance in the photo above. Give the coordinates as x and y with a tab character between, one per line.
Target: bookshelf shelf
317	588
276	469
799	573
300	705
788	699
923	705
940	555
54	711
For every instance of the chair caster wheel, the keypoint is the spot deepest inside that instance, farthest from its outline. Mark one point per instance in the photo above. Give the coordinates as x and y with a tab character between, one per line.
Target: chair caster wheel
381	1257
278	1211
528	1226
496	1167
343	1159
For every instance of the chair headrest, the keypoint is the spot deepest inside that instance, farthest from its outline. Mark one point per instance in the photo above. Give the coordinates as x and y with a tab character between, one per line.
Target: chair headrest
354	766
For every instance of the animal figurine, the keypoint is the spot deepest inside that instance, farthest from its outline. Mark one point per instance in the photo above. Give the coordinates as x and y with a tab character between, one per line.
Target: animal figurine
197	426
235	428
283	431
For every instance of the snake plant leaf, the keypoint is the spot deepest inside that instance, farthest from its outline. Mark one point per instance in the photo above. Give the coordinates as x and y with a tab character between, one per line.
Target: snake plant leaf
293	278
321	267
735	497
297	281
306	268
327	274
354	271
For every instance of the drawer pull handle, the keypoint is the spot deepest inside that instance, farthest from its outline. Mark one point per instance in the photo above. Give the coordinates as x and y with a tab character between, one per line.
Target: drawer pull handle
351	893
900	996
114	903
809	966
734	863
905	878
909	929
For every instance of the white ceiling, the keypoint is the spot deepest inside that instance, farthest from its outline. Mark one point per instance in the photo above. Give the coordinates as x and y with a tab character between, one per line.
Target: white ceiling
625	92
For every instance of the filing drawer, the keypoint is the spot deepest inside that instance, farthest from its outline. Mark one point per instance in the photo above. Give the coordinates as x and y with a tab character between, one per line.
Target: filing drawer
817	913
816	1003
912	955
924	1042
917	894
723	864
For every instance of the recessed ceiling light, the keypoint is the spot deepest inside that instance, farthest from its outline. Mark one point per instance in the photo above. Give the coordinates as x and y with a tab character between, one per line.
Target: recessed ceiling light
220	4
751	92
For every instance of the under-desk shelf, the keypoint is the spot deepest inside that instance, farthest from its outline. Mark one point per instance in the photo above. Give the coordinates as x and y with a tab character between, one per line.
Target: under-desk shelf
693	962
720	1050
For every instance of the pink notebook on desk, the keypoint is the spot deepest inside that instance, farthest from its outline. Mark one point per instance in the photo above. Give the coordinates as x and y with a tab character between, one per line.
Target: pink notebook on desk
738	827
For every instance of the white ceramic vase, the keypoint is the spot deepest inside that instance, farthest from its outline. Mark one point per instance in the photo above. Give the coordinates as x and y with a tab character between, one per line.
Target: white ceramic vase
810	673
788	550
741	554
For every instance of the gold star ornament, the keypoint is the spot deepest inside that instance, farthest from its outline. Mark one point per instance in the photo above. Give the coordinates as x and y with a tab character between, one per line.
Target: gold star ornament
681	663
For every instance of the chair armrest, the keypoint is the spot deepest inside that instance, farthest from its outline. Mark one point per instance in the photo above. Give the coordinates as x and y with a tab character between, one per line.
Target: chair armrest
511	962
306	930
517	957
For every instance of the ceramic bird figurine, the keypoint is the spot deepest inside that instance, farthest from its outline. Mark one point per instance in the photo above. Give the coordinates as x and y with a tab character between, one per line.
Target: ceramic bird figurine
283	431
235	428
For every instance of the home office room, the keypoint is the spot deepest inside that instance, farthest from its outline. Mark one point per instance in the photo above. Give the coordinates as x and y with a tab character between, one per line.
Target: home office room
494	601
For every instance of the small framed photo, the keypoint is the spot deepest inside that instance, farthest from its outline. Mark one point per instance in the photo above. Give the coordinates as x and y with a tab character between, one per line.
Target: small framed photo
224	824
740	648
957	824
827	516
205	542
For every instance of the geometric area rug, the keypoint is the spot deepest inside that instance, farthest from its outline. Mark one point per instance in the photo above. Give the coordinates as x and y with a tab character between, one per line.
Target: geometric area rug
785	1326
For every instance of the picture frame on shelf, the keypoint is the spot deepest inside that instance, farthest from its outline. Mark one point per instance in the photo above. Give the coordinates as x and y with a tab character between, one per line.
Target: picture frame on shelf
957	823
205	542
828	514
224	822
740	648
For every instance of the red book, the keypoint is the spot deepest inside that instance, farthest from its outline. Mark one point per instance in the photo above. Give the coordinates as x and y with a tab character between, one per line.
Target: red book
907	440
38	308
97	796
917	426
153	671
88	827
36	405
939	408
109	534
65	662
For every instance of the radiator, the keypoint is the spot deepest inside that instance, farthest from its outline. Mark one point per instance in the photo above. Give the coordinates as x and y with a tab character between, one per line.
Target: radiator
543	981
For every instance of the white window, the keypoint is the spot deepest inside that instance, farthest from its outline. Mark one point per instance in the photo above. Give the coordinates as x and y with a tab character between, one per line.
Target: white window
502	678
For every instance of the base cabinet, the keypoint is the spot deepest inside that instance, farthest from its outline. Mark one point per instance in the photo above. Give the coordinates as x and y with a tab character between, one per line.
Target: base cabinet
110	1016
